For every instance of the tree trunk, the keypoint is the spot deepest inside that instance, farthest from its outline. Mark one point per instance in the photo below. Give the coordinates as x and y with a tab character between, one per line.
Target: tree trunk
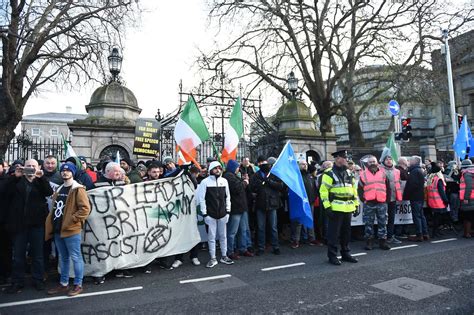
356	138
8	122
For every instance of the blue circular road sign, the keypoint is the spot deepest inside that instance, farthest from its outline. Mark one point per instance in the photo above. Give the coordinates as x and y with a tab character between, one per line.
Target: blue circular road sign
394	107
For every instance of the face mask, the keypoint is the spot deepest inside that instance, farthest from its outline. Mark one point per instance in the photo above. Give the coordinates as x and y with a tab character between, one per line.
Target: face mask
265	168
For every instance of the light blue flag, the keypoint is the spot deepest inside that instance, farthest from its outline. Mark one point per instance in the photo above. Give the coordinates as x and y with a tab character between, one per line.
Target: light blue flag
288	171
463	144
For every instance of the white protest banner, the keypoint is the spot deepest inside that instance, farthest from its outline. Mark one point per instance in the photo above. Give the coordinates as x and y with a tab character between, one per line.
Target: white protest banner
402	212
129	226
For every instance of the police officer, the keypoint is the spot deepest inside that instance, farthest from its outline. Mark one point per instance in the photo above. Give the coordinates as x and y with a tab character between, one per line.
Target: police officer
338	194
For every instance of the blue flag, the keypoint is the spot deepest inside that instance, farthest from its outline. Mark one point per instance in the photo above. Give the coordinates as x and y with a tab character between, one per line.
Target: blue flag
463	144
288	171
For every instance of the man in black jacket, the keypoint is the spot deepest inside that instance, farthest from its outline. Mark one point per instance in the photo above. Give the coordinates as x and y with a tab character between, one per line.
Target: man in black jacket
238	201
26	193
414	191
267	201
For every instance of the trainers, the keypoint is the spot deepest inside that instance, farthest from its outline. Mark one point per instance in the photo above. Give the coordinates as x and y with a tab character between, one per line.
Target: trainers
295	245
195	262
99	280
14	288
394	240
176	263
147	269
226	260
58	289
77	289
211	263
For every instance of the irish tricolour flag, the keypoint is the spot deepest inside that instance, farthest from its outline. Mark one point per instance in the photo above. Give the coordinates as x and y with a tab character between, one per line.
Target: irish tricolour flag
190	130
233	133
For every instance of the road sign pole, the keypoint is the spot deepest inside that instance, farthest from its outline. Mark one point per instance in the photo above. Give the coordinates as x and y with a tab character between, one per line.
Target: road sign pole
396	123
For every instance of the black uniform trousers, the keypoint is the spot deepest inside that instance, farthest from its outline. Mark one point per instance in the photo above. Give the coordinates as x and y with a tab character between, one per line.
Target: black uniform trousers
339	232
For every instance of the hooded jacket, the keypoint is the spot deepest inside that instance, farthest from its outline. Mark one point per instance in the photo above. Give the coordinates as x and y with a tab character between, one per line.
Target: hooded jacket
268	191
214	196
76	211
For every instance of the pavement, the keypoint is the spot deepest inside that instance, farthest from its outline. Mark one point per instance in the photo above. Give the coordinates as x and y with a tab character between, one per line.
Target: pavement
434	277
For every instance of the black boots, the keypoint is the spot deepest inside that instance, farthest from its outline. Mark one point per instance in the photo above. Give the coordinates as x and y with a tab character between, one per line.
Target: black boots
383	244
334	261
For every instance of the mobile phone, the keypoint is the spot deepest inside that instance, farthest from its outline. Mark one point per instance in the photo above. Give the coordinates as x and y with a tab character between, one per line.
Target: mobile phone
29	171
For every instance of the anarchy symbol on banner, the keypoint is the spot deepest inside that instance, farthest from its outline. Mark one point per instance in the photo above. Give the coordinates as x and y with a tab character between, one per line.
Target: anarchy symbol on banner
156	238
59	209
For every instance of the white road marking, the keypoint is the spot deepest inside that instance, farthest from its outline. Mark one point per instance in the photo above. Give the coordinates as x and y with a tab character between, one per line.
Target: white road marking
83	295
354	255
283	266
402	247
205	279
446	240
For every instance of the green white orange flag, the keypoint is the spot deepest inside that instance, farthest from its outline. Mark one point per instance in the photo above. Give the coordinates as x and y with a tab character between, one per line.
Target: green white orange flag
68	150
190	130
390	149
233	133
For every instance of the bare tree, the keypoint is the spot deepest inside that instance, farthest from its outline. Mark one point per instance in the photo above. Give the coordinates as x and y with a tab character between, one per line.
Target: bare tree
58	42
326	42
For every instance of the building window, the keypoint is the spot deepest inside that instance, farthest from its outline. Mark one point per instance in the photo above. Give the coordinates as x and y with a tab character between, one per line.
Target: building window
35	132
54	132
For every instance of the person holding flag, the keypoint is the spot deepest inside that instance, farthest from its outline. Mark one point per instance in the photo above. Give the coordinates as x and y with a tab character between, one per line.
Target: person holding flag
338	192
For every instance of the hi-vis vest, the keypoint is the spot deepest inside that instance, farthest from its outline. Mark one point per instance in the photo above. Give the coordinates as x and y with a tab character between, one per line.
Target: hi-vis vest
375	187
337	193
462	186
434	198
398	187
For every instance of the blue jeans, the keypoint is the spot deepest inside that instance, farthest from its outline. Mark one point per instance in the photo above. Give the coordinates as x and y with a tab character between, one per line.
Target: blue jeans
70	248
232	229
35	237
245	239
271	215
419	218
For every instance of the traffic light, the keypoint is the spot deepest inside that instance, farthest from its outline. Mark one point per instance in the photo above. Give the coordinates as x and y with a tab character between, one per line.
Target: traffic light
460	118
406	129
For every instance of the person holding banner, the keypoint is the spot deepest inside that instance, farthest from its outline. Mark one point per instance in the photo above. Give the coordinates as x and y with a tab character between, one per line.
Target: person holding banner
394	194
65	220
374	185
338	194
214	199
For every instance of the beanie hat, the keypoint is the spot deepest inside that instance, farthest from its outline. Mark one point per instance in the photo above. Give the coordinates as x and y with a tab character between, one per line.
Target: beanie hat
167	160
128	161
466	163
68	166
271	160
214	165
435	168
232	165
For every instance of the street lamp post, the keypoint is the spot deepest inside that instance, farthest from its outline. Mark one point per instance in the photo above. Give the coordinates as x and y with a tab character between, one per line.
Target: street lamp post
115	63
292	84
450	87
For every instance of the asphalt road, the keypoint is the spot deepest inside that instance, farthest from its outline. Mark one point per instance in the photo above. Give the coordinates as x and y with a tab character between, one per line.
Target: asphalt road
430	278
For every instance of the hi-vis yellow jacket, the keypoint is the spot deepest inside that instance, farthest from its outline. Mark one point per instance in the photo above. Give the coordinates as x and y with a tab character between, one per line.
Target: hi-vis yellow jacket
339	194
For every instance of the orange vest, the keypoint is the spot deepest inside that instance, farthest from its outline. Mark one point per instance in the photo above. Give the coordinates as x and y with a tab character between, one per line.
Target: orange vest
398	188
375	188
434	198
462	186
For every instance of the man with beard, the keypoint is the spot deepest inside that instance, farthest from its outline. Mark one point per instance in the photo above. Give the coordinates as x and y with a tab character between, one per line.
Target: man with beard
373	185
338	194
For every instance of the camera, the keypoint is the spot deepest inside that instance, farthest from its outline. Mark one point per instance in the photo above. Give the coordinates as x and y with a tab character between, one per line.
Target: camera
29	171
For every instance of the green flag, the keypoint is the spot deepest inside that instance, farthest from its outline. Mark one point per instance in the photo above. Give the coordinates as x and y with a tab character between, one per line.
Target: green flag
390	149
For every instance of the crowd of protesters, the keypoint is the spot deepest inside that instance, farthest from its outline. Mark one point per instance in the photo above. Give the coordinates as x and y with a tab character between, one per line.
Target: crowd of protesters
244	206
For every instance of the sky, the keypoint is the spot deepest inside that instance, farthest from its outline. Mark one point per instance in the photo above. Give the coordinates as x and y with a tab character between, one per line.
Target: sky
159	52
